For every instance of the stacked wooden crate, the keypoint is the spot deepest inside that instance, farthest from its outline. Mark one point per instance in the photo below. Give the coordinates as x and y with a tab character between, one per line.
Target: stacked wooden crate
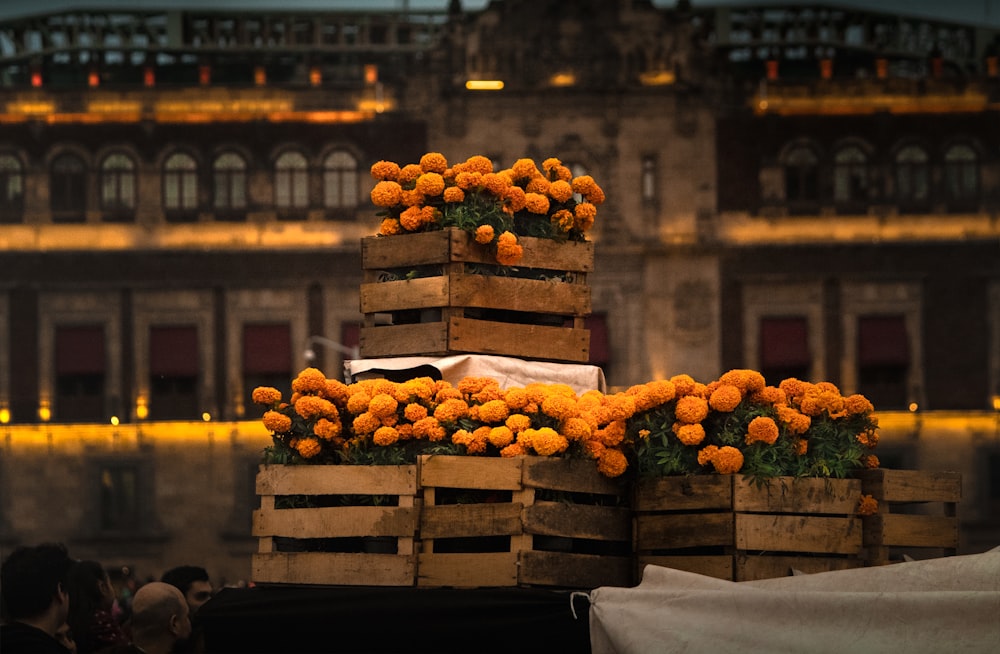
729	527
440	292
918	514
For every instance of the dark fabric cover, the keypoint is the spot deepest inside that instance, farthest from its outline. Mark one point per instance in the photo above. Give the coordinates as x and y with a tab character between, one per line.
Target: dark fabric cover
391	619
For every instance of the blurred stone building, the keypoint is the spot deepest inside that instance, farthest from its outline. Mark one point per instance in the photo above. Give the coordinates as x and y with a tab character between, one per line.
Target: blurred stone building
808	190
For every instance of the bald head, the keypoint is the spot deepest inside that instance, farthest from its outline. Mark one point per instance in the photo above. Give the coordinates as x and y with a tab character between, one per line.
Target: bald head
160	611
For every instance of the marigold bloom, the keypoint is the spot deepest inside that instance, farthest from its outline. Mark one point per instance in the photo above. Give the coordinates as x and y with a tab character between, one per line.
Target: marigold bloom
453	195
769	395
479	164
867	505
429	429
725	398
433	162
560	191
494	411
691	409
451	410
690	434
365	424
385	170
312	406
512	450
612	463
509	252
728	460
390	227
857	405
336	392
469	181
496	184
484	234
358	402
762	429
539	185
576	429
385	436
801	446
386	194
563	220
871	461
501	437
795	421
409	173
265	395
383	405
559	406
308	447
706	454
277	422
524	169
327	429
309	380
514	199
584	213
518	422
683	384
412	219
536	203
547	442
430	184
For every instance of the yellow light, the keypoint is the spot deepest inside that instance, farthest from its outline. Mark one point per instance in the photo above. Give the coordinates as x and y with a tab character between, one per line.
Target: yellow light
657	78
563	79
996	405
31	108
484	85
4	415
114	420
44	412
207	417
913	407
141	410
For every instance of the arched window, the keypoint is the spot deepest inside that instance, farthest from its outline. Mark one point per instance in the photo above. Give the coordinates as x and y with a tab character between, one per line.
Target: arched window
340	180
68	189
850	175
11	189
118	186
291	181
801	167
180	183
230	176
961	173
912	176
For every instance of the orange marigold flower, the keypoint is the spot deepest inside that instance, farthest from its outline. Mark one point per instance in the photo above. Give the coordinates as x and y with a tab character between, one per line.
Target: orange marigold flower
496	184
690	434
390	227
691	409
871	461
794	421
867	505
277	422
621	407
336	392
518	422
509	252
585	214
309	380
706	454
550	163
801	446
383	405
728	460
523	169
857	405
725	398
748	381
308	447
365	424
265	395
479	164
358	402
451	410
409	173
536	203
430	184
327	429
560	191
469	181
762	429
613	434
539	185
453	195
514	199
547	442
412	219
769	395
501	437
683	384
386	194
612	463
576	429
429	429
433	162
563	220
512	450
794	389
385	170
312	406
484	234
653	394
385	436
559	406
494	411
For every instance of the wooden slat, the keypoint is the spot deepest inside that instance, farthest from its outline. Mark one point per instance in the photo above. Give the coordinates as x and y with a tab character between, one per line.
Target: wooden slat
461	570
897	530
397	340
459	520
751	567
385	297
470	472
581	571
912	485
337	480
789	533
336	522
573	475
681	530
684	493
719	566
578	521
334	569
410	250
797	495
512	339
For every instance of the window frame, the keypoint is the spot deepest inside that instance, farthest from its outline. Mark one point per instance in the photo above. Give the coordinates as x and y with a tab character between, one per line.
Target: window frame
180	179
11	208
340	181
119	204
69	206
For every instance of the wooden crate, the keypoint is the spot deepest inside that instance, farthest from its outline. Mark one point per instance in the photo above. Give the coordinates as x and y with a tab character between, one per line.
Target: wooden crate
522	521
336	545
426	294
727	527
918	514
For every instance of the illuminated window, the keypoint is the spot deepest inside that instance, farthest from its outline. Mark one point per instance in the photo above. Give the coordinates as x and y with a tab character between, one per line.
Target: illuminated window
883	360
267	358
801	166
291	181
68	189
173	373
119	497
961	173
11	189
118	187
340	181
850	175
80	367
649	179
180	183
912	175
230	182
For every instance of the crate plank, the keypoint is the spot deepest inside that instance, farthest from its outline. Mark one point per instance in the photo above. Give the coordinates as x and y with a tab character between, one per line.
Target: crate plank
812	495
513	339
467	570
900	530
787	533
476	291
750	567
912	485
463	520
328	568
569	570
578	521
718	566
336	480
336	522
684	530
471	472
572	475
684	493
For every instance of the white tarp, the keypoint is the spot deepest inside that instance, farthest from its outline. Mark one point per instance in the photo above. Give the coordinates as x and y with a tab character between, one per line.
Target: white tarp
508	371
936	606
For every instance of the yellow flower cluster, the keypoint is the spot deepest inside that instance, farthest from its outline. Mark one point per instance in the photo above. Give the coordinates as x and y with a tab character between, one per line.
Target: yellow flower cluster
736	423
497	207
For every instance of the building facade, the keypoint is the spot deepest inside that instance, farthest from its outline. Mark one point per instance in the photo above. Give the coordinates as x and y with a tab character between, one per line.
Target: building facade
808	191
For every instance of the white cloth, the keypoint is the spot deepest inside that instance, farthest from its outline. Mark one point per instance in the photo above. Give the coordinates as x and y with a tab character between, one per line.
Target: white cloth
508	371
949	604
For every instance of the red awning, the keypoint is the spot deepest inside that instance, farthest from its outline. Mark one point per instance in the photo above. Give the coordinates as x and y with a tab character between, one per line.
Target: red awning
173	351
80	350
784	343
882	341
267	349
